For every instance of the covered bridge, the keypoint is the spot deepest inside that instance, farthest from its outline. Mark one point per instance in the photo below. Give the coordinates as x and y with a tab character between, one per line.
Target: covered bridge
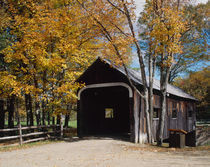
109	105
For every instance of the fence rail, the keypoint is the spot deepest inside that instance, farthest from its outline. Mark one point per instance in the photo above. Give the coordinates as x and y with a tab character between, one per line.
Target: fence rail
56	129
203	121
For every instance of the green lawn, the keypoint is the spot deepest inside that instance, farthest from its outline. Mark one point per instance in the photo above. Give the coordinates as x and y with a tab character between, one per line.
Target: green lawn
73	124
28	145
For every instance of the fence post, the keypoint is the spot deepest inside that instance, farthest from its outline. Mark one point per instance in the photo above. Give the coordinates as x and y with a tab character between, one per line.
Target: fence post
20	134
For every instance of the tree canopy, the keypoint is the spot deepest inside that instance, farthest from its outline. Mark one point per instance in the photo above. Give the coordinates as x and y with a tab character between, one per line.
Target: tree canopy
197	84
52	43
193	40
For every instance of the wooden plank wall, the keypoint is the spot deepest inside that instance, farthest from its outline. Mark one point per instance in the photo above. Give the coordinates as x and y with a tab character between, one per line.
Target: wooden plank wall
156	104
182	121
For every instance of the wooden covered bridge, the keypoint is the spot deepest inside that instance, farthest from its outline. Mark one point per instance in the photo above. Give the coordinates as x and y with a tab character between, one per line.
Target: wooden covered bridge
109	105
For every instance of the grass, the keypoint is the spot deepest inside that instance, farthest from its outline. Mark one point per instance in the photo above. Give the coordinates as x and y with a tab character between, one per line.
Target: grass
28	145
73	124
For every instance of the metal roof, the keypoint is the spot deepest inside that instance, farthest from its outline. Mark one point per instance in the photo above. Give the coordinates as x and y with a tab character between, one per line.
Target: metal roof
136	77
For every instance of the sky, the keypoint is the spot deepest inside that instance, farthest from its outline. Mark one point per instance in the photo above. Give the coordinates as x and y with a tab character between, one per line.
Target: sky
140	4
139	8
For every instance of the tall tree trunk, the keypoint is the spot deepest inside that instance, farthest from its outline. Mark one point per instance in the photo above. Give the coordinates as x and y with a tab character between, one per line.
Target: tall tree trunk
27	109
53	120
2	114
143	74
58	119
152	65
146	109
43	102
164	75
161	119
18	120
30	110
48	117
37	107
37	113
67	117
11	110
43	113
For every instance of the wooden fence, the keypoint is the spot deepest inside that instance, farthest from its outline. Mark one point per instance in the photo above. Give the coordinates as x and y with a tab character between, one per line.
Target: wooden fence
32	131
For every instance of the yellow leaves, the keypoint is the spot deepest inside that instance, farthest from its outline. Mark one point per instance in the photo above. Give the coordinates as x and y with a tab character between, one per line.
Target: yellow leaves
57	43
5	19
9	85
29	89
166	26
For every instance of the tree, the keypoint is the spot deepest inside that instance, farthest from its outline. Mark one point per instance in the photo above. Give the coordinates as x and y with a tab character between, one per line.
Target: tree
175	38
197	84
194	40
150	57
54	44
114	21
166	26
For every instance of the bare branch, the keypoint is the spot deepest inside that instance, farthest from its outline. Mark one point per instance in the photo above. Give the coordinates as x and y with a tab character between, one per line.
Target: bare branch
115	6
120	30
141	62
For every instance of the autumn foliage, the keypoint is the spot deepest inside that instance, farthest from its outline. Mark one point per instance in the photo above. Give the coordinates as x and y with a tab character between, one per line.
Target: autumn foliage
53	44
198	85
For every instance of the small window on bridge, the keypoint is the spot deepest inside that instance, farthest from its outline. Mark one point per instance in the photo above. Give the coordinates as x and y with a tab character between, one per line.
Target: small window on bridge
156	113
109	113
190	113
174	110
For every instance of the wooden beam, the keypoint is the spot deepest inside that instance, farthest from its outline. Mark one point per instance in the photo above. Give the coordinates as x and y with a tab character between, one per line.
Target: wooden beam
9	137
8	130
35	133
36	139
106	85
29	127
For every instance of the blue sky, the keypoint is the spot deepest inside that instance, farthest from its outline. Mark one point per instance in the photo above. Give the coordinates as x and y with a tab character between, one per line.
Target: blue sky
140	4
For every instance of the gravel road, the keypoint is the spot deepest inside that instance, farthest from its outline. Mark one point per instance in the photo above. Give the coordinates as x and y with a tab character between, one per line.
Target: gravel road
101	153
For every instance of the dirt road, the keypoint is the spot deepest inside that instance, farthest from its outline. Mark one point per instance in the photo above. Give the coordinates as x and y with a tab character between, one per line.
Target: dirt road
101	153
